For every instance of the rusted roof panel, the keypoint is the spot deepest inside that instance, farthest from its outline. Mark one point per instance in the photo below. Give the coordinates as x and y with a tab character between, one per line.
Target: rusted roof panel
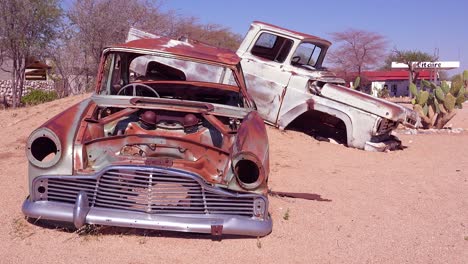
192	49
291	32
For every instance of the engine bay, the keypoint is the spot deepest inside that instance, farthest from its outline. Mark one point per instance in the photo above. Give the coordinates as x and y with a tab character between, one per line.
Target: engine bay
120	134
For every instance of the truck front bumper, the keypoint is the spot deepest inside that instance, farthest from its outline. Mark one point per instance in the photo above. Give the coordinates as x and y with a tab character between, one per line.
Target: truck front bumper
392	143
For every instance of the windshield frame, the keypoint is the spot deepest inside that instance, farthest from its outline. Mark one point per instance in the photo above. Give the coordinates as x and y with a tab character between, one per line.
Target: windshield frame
104	73
318	63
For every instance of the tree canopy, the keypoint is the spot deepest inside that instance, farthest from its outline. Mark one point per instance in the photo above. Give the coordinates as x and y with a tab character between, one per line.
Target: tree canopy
408	57
26	28
357	50
73	40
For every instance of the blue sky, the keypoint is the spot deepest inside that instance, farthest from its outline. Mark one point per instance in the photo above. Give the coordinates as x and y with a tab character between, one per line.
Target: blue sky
416	25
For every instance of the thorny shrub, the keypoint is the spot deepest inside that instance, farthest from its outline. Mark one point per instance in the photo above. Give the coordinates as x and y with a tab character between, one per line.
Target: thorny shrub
38	97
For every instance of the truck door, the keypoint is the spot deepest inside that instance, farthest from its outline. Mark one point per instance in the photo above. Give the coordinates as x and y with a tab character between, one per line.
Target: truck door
263	69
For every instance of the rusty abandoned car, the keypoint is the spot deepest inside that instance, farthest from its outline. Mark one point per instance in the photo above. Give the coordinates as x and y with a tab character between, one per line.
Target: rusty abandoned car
156	147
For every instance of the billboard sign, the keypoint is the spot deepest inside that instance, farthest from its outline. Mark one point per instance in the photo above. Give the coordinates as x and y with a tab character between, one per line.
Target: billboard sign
442	65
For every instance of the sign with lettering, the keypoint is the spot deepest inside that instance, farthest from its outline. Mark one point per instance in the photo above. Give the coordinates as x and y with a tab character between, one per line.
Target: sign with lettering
443	65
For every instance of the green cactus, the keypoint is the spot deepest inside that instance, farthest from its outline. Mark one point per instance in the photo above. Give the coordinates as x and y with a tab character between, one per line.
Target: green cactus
435	106
442	109
418	108
445	87
439	103
461	97
425	109
423	97
439	94
356	83
414	90
449	102
425	83
455	89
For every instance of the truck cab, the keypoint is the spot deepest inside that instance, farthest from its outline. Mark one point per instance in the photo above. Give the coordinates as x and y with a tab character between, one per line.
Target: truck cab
286	79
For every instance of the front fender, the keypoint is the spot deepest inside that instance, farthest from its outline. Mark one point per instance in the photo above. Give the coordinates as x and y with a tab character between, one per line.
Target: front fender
311	105
64	126
252	139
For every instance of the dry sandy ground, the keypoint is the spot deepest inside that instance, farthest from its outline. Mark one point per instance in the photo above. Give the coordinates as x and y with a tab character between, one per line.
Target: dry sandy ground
408	206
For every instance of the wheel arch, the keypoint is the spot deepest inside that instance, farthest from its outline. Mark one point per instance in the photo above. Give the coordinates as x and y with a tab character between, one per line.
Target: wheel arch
310	105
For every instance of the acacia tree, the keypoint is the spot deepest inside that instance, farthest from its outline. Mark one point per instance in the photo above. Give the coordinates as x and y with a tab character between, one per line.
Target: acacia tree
410	58
212	34
69	69
90	26
95	24
357	50
26	27
100	23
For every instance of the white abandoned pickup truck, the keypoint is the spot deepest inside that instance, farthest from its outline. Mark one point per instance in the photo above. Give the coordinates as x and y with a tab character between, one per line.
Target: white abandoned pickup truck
284	76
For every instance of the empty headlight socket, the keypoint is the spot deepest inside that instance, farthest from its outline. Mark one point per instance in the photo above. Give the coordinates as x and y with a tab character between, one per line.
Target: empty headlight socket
43	148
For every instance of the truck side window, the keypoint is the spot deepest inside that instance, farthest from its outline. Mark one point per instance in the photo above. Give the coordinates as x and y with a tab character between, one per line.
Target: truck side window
272	47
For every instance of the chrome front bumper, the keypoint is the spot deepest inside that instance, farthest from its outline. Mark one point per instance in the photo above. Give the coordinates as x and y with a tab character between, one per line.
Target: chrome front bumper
390	144
150	198
211	224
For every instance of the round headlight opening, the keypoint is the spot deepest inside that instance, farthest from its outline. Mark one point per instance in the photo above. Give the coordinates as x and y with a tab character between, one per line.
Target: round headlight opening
44	149
247	171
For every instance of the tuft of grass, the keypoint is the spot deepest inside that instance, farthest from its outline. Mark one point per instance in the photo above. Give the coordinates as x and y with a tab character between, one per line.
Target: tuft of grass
286	215
142	240
259	243
21	229
88	232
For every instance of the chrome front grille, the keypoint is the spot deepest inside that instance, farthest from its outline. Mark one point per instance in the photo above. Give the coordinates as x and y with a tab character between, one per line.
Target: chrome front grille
149	190
386	126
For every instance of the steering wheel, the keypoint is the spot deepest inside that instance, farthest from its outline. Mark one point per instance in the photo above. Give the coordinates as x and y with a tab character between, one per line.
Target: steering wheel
135	89
295	60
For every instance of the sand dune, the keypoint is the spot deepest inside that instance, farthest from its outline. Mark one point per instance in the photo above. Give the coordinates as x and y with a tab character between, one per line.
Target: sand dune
408	206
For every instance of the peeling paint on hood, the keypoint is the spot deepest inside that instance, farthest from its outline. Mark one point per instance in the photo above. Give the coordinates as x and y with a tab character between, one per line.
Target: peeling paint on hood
364	102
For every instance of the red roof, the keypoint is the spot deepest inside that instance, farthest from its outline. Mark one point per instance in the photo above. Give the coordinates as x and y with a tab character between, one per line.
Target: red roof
37	65
190	49
393	75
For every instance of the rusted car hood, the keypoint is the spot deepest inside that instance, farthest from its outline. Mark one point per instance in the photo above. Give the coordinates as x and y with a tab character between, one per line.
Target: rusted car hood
370	104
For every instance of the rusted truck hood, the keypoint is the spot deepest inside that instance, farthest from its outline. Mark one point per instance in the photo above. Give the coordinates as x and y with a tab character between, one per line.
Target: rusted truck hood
370	104
383	108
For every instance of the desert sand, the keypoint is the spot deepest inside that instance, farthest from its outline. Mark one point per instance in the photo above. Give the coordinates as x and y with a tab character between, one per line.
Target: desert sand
406	206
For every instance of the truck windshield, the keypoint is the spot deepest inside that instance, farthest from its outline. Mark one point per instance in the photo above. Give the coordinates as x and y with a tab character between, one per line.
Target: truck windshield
307	54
